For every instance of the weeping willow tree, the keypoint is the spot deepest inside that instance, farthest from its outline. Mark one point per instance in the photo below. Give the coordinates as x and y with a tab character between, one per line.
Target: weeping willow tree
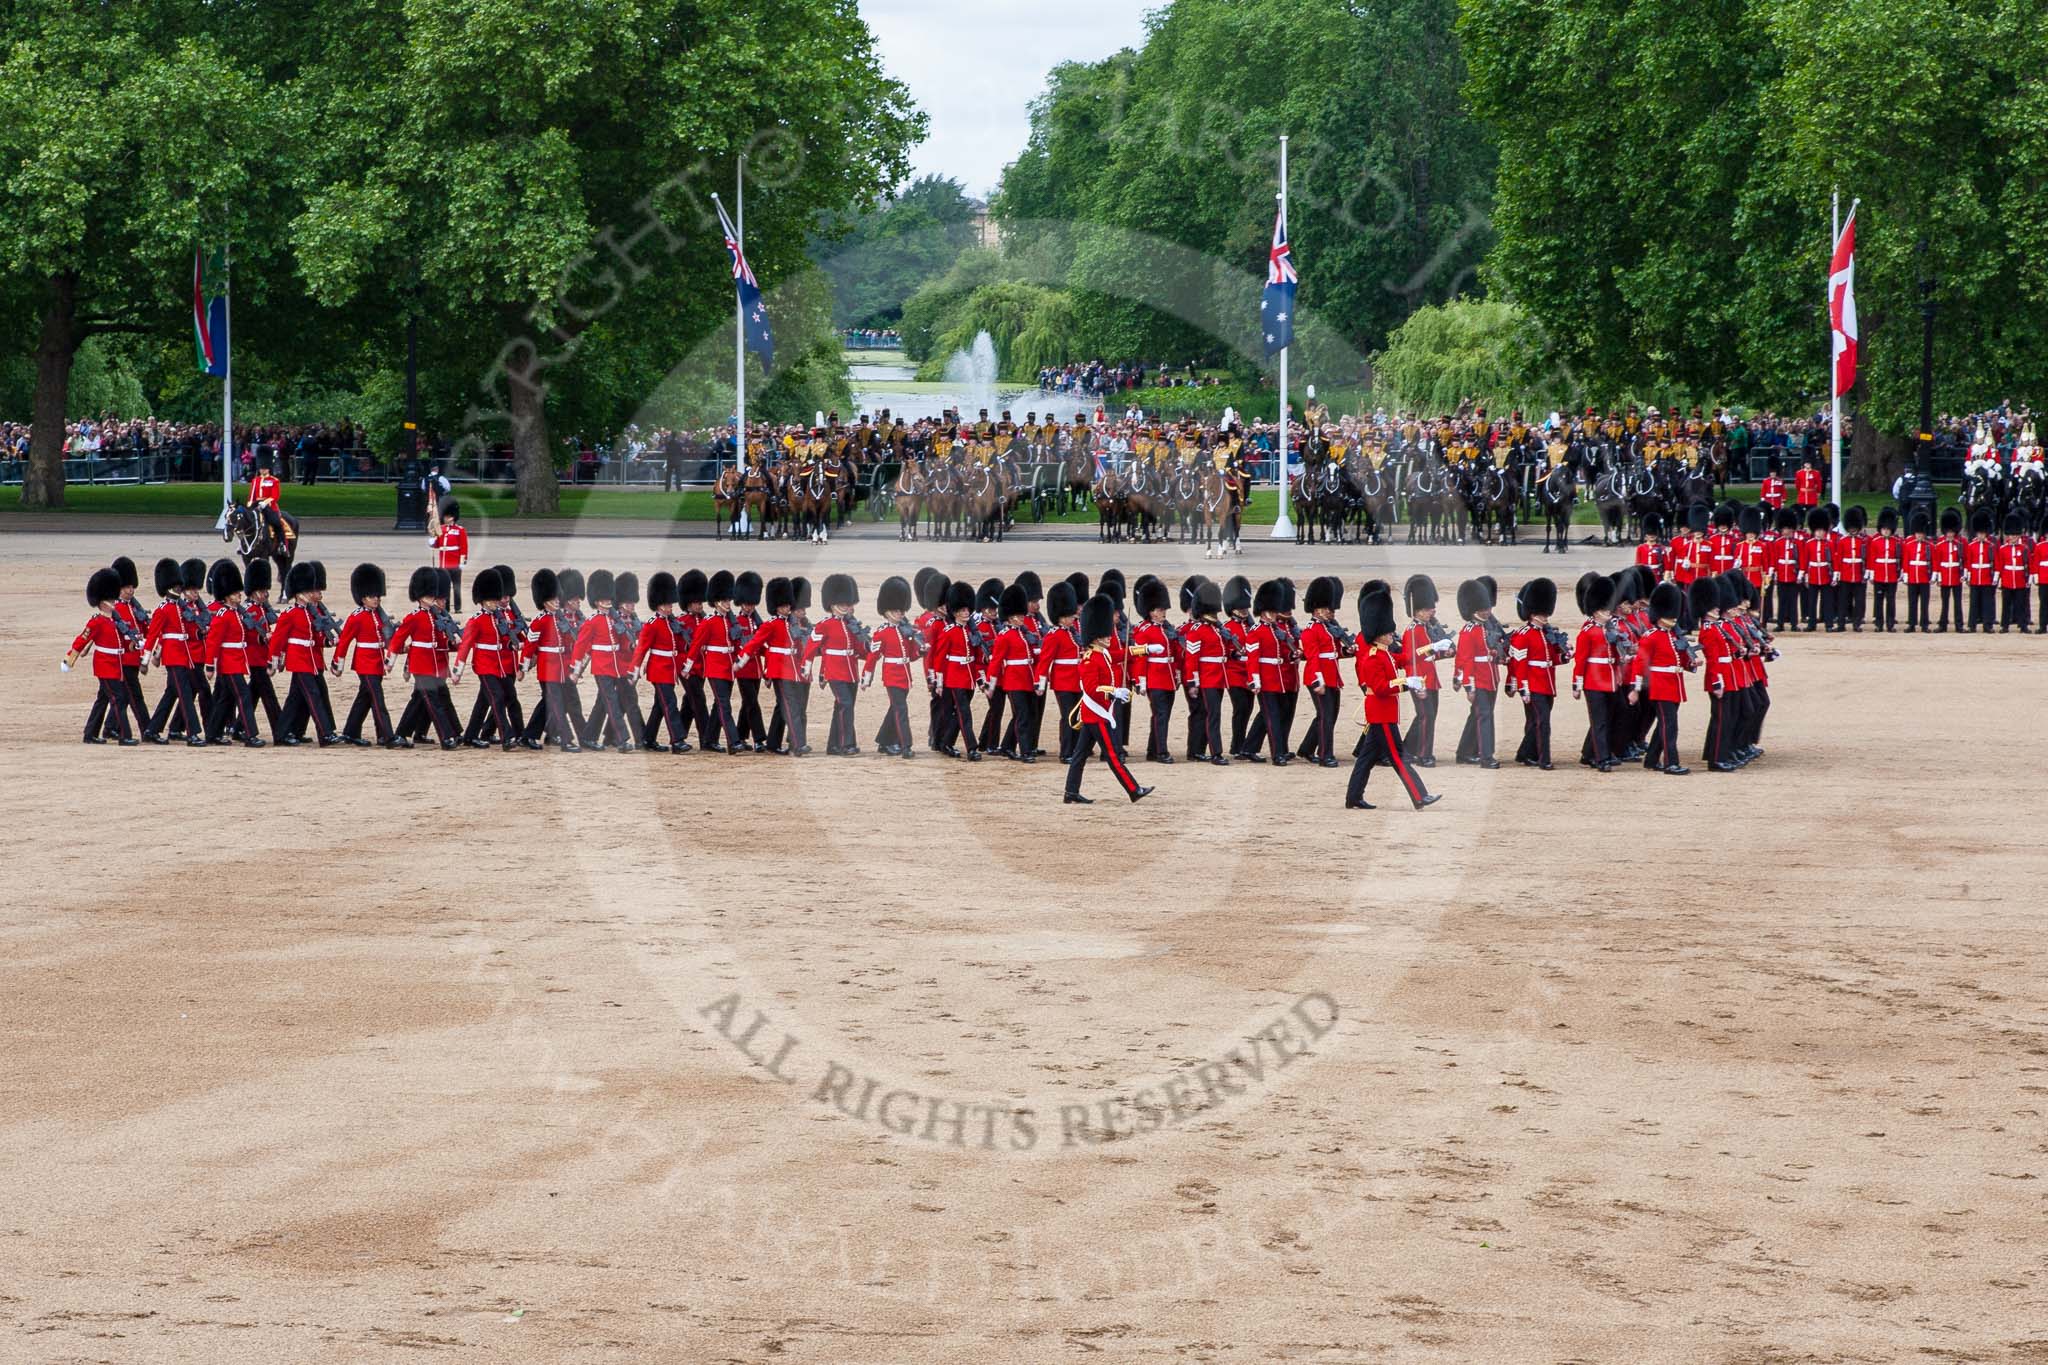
1031	326
1475	351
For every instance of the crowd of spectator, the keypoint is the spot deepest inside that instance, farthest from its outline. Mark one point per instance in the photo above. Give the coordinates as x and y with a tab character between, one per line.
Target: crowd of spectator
1099	379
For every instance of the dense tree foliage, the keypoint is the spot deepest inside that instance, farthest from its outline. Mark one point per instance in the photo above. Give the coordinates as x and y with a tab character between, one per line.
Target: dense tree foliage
879	258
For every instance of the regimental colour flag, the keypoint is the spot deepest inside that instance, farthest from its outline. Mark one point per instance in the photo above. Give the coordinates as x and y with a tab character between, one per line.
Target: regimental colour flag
210	311
1842	304
753	313
1276	306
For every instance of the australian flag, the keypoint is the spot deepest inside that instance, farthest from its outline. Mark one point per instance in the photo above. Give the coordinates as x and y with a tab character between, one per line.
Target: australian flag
753	313
1276	306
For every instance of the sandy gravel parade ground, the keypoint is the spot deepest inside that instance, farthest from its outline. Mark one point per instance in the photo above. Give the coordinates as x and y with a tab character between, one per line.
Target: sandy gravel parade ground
352	1055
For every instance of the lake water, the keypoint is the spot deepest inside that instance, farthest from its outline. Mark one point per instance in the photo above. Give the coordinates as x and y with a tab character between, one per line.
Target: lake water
893	384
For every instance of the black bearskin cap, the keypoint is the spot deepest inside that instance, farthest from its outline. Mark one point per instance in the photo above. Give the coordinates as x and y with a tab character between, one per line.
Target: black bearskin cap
1921	525
366	580
1269	596
192	574
168	580
1419	593
1111	584
746	589
257	578
1237	593
1078	581
104	585
425	582
1817	520
1060	602
1015	603
1473	598
602	587
1034	589
691	588
989	596
718	588
1324	594
571	583
931	589
959	598
1208	599
1750	520
626	588
779	595
1724	516
1592	592
839	591
1888	519
1951	519
1098	618
1537	598
1375	615
545	588
1697	518
301	579
451	510
1706	596
1152	596
661	590
124	572
800	593
894	594
1666	602
1492	587
488	587
1855	519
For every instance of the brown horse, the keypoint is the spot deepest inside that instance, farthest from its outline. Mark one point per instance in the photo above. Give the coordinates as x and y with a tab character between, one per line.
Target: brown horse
1077	471
1222	514
909	490
726	500
1112	504
756	489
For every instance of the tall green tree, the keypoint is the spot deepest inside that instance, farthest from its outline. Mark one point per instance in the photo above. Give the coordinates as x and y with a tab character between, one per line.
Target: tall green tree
879	257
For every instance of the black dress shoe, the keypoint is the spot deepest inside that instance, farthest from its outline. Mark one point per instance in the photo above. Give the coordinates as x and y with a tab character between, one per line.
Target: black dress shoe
681	746
1253	758
478	743
1675	770
130	742
356	740
532	744
1360	805
152	737
1429	800
949	751
1164	758
1076	799
252	742
1010	754
1723	767
1283	760
1220	762
403	742
1467	762
1140	794
1488	764
447	744
1329	763
95	739
198	742
974	755
1546	767
288	742
628	747
1422	762
572	748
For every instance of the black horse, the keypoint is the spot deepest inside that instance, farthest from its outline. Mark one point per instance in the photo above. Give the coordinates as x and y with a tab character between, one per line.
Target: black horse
1557	492
256	537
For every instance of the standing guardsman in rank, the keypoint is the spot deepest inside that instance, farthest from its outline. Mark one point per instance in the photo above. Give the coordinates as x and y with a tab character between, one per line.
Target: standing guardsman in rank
892	653
1662	660
360	650
1381	682
1533	657
1058	667
227	658
103	639
1324	645
1477	669
1095	717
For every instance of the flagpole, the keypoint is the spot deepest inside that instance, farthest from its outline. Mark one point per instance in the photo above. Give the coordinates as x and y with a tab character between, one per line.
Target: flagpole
227	386
1834	398
1283	525
739	317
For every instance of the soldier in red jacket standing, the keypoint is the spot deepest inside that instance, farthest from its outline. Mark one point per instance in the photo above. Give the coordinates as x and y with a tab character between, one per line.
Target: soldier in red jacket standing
1237	665
1653	554
1324	645
1817	573
1886	557
1422	644
1058	666
365	633
1597	672
1476	670
1948	567
2013	568
1207	661
1155	665
1013	679
1660	666
105	642
297	647
1788	551
1380	683
1095	714
1852	565
1533	656
1916	571
1807	484
1772	492
892	653
952	667
450	544
1980	572
839	646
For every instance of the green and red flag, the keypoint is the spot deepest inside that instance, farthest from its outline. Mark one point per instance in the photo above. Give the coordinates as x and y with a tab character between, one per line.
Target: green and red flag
210	311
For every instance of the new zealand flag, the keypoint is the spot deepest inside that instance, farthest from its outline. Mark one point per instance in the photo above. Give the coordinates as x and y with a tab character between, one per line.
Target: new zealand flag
1276	306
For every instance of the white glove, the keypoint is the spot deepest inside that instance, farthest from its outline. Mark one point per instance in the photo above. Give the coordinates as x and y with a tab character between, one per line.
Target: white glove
1418	685
63	667
1122	694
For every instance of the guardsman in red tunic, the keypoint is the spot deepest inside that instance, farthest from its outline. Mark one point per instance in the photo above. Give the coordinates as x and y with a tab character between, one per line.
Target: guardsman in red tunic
1013	679
170	638
1095	714
425	639
482	648
1719	658
1534	652
297	647
839	645
1980	572
1155	665
1422	644
227	657
1948	567
953	666
1852	567
1380	684
1885	554
1807	484
1689	546
599	649
2014	563
450	544
1753	552
1817	573
1660	667
892	652
133	623
711	656
1653	554
1784	585
1597	672
103	639
261	619
773	648
2037	563
547	651
1477	669
365	632
1772	493
1324	645
746	673
1265	653
1237	667
1207	662
930	587
657	657
1720	548
1058	666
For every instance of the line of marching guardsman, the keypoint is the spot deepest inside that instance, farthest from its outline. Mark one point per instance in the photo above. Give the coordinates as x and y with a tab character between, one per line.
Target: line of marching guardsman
730	663
1828	570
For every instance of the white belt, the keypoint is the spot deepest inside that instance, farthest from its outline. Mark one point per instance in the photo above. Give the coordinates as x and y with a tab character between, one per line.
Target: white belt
1592	659
663	653
423	644
1326	656
377	649
552	649
606	648
839	654
1664	668
1214	659
168	636
106	649
225	644
776	649
1482	658
290	640
718	649
1016	663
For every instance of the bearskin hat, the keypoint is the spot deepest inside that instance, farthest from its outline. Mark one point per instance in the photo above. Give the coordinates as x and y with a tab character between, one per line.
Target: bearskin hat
366	580
1111	584
1473	598
319	576
959	598
424	583
1098	618
192	574
1653	525
1593	592
167	578
104	585
486	587
1419	593
718	588
301	579
1269	596
1015	603
1286	595
1788	518
894	594
746	589
257	576
691	588
2013	525
1375	615
1724	516
571	583
1951	520
1855	519
124	571
508	582
1325	594
1817	520
1060	602
1887	519
1774	465
444	584
1208	599
1750	520
1666	602
931	589
840	591
800	593
545	588
1078	581
451	510
1237	593
626	588
989	596
1186	596
1921	525
1152	596
1138	588
1034	590
1492	586
1697	517
602	586
1736	587
661	590
918	581
1706	596
1538	597
779	595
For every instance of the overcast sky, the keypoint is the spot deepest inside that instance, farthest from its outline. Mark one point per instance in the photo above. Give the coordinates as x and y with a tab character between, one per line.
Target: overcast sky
973	66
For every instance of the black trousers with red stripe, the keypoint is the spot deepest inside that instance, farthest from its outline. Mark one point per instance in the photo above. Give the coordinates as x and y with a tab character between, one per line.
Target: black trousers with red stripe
109	712
232	701
1095	733
895	731
1664	748
369	703
1381	743
1320	743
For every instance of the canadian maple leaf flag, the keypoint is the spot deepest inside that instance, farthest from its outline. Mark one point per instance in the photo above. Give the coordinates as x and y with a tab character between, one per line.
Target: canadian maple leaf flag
1842	305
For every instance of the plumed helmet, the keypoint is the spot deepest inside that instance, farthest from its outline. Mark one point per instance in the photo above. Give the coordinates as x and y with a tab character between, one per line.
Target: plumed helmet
1538	597
167	577
1269	596
1473	598
423	584
840	591
571	583
366	580
661	590
1112	584
959	598
1060	602
779	595
718	588
1697	517
1492	586
1666	601
1325	594
1724	516
1750	521
451	510
545	588
192	574
1237	593
1951	519
103	585
1152	596
626	588
1887	519
257	578
1375	615
1078	581
602	587
893	596
746	589
1706	596
319	575
1855	519
800	593
1034	589
1921	525
931	589
989	596
1817	520
1208	599
691	588
1015	603
1098	618
1591	588
301	579
488	586
1419	593
124	571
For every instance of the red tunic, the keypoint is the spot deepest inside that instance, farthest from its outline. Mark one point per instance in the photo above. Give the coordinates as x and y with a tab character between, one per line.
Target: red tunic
1654	556
892	650
833	643
264	487
1474	666
128	610
361	643
1059	661
1884	557
1657	665
1237	668
425	648
952	659
1594	667
1916	561
1320	660
1380	678
451	547
1808	483
168	632
1980	563
711	647
1413	642
102	638
1790	550
1262	650
1772	494
1532	666
1159	671
482	646
227	641
294	640
1207	660
1817	561
545	650
1852	549
2040	564
771	645
2012	564
1948	562
1010	662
